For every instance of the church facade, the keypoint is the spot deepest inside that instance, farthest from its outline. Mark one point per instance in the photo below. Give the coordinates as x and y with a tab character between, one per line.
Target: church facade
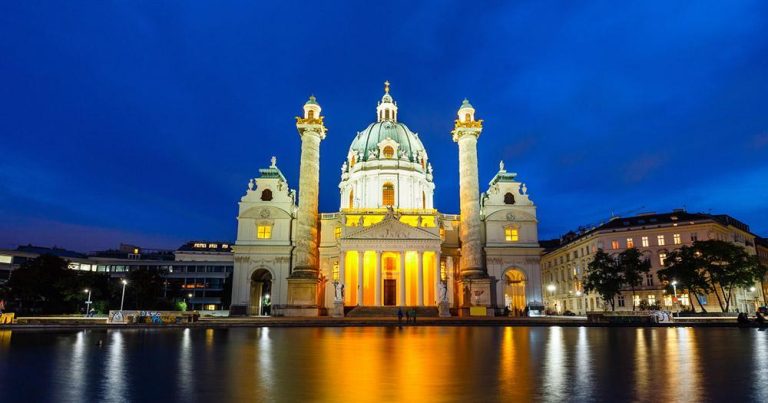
386	246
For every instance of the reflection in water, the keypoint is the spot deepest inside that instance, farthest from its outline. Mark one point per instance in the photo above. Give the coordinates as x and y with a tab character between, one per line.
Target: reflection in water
185	372
115	373
583	364
760	364
388	364
5	339
554	364
642	374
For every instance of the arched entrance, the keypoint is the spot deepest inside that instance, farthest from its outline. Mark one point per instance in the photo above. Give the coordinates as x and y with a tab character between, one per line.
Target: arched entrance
514	292
261	295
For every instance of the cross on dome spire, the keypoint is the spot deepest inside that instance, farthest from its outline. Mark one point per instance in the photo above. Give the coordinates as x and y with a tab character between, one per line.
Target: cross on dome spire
386	87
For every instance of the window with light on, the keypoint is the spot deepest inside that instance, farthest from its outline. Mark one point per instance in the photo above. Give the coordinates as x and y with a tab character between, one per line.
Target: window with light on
264	232
511	235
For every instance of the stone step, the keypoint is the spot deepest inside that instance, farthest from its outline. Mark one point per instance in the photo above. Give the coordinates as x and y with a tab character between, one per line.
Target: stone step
384	311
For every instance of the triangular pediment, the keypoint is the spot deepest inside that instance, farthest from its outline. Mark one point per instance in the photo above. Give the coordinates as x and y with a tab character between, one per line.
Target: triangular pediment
391	228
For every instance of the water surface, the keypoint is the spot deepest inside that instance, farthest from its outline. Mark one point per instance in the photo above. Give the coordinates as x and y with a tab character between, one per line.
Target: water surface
385	364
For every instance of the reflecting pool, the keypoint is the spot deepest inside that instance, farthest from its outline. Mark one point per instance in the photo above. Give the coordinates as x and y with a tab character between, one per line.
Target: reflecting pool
385	364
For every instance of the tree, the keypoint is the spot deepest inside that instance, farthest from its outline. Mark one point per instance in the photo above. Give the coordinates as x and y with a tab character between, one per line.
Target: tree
712	266
728	266
684	266
632	266
40	285
604	277
145	289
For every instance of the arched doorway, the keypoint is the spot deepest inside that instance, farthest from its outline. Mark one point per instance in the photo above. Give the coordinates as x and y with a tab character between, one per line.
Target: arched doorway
261	295
514	292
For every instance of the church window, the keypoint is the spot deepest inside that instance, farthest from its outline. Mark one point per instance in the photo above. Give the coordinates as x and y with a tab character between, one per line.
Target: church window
264	232
386	114
311	114
388	194
389	152
511	234
351	199
467	117
509	198
266	195
337	232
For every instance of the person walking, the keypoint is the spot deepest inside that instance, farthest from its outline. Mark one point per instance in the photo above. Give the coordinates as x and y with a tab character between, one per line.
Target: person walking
407	316
413	315
399	315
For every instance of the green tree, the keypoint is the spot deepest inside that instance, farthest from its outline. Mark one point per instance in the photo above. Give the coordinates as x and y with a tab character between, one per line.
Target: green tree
144	290
712	267
633	267
604	277
43	285
728	266
686	268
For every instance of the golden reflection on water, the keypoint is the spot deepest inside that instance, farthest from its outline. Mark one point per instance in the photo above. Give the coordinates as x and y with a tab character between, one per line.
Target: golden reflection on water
5	339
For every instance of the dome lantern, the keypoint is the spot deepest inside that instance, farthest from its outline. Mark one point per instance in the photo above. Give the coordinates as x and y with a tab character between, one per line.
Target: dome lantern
387	108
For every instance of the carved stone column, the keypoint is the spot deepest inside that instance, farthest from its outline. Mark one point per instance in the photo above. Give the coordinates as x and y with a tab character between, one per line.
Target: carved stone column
303	281
476	285
466	132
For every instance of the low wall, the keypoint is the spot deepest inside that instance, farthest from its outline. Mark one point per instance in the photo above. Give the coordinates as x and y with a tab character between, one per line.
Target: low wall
152	317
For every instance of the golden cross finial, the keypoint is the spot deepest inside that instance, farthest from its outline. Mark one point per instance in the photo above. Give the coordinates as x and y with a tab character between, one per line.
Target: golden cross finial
386	86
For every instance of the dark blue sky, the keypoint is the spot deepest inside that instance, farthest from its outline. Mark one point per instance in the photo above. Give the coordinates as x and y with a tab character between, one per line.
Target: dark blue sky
141	122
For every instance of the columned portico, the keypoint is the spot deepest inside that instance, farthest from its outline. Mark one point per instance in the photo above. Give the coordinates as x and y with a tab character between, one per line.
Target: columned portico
414	280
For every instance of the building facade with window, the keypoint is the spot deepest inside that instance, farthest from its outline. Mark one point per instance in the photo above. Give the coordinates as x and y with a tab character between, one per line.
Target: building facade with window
198	272
386	245
564	263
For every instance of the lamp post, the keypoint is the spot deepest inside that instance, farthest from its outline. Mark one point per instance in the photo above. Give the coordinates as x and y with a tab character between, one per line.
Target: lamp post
674	290
551	288
189	298
88	303
122	299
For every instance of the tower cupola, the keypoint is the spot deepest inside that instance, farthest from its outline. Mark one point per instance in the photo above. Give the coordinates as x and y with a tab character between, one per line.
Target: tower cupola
387	108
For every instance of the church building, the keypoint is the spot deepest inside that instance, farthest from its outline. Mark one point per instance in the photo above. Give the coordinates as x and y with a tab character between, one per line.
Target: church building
386	246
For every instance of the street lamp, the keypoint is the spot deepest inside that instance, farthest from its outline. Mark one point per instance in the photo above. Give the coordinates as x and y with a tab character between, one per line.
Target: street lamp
88	303
189	298
122	299
551	288
674	290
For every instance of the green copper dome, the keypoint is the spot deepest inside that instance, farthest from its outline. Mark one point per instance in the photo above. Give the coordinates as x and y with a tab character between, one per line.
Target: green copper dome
366	142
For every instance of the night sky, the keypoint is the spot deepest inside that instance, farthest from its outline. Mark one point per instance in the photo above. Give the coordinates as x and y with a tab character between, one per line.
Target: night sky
141	122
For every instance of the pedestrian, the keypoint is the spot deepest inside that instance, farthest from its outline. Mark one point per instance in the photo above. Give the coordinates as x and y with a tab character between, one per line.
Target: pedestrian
399	315
413	315
408	316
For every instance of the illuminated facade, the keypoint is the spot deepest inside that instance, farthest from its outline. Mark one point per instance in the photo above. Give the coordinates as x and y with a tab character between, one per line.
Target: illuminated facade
654	235
387	245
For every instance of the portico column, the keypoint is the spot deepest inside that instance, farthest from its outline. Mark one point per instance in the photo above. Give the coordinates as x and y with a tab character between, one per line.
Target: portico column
377	289
420	268
402	278
360	282
437	277
342	261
